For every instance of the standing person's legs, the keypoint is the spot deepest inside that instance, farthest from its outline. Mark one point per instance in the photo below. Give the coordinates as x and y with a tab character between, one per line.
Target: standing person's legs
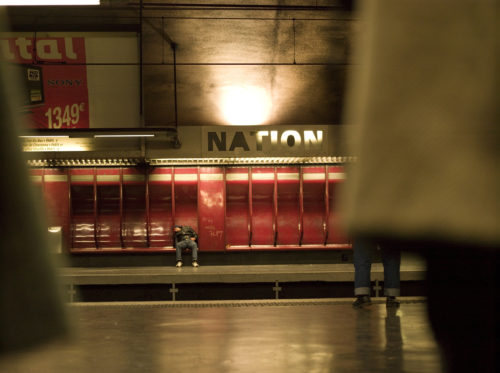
391	259
363	251
362	256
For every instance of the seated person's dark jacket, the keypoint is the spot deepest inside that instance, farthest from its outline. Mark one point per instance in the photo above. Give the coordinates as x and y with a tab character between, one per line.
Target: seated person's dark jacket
185	233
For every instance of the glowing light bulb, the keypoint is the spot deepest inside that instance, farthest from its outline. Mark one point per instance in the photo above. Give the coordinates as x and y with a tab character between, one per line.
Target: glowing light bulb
246	106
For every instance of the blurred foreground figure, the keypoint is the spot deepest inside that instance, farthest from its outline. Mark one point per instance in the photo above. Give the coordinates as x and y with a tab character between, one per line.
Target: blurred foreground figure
31	311
423	105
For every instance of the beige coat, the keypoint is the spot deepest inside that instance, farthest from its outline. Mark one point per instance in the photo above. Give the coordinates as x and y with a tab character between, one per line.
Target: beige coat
424	111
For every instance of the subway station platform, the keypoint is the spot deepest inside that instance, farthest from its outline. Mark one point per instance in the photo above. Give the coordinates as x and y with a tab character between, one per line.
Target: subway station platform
275	336
214	282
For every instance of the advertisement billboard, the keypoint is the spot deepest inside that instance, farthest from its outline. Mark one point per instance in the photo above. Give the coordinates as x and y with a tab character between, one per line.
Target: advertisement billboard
54	71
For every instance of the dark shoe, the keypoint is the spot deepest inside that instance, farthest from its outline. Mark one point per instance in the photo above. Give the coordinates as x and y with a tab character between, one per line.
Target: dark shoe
179	264
362	301
392	302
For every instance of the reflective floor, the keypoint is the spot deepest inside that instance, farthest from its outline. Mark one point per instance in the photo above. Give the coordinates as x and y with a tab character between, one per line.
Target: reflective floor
249	336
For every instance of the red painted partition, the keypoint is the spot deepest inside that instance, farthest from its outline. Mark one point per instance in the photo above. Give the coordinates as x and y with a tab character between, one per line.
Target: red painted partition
56	193
109	208
161	220
288	219
186	197
314	205
211	206
36	177
238	224
82	211
263	205
336	236
240	208
134	219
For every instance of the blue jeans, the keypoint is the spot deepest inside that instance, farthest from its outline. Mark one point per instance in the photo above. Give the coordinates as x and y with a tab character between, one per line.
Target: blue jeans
391	259
186	244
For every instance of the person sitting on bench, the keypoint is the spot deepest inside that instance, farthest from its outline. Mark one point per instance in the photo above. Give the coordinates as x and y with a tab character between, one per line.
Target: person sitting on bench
185	238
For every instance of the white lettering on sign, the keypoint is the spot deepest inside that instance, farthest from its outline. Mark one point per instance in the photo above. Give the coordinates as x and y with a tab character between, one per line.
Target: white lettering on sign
22	45
55	144
258	140
47	50
313	139
70	51
23	49
68	115
291	138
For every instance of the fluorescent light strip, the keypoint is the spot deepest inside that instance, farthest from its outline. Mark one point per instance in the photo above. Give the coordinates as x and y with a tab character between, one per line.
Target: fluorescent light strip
134	135
48	2
43	137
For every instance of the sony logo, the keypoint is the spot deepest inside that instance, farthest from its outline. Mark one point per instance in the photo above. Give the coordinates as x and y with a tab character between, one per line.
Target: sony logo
65	83
261	140
47	49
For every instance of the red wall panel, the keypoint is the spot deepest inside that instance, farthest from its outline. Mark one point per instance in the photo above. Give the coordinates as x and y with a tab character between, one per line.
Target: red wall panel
161	220
83	205
336	176
211	206
108	220
56	193
314	205
262	211
288	219
134	220
186	197
237	207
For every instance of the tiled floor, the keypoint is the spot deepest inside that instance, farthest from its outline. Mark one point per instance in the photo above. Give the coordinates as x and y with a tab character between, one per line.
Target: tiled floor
325	335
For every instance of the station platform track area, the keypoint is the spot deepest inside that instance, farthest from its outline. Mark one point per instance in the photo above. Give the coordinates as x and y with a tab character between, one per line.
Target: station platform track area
216	282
